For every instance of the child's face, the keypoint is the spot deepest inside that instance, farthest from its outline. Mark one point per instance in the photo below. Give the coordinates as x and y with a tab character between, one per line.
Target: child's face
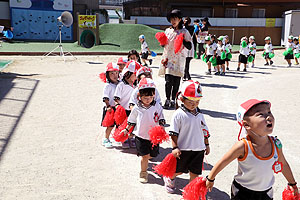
290	40
251	40
133	57
190	104
260	120
226	40
146	100
175	21
132	78
208	42
220	42
121	67
114	76
267	41
141	40
295	41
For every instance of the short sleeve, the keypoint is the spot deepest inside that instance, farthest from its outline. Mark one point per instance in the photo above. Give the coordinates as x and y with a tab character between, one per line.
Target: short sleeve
133	98
254	45
132	119
157	96
161	114
175	124
271	47
106	91
204	128
187	36
215	46
118	91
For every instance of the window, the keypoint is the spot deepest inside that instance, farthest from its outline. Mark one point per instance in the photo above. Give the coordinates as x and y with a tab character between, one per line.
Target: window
231	12
258	13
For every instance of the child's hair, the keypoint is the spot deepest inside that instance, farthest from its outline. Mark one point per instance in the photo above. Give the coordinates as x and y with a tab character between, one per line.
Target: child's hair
147	92
134	52
248	113
176	99
127	75
188	21
108	78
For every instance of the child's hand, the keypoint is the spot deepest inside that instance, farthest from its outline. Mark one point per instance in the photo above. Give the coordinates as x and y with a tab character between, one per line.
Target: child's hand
295	190
209	185
207	151
176	153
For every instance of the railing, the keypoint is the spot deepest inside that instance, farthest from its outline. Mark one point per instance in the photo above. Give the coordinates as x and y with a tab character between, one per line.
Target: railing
113	2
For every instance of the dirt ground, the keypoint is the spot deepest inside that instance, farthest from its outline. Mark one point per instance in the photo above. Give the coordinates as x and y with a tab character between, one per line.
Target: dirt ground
50	134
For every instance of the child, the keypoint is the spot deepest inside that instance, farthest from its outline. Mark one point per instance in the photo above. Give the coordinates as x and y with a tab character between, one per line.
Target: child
145	51
112	78
210	51
122	62
143	72
244	53
259	155
134	55
267	50
296	49
189	134
172	64
229	47
124	90
252	46
290	45
220	62
146	114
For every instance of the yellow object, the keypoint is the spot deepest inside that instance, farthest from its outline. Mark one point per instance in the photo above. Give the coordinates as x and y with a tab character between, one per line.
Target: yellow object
87	21
270	22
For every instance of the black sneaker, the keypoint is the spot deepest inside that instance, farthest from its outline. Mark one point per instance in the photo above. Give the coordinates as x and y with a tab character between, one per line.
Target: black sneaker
245	70
238	69
167	104
227	68
217	73
271	62
222	74
150	61
266	64
208	73
172	106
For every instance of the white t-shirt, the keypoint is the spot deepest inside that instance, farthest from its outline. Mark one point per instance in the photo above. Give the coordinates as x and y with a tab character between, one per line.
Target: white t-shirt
268	48
211	48
290	45
190	129
124	91
252	47
245	51
296	50
220	48
108	92
133	98
228	46
145	119
144	47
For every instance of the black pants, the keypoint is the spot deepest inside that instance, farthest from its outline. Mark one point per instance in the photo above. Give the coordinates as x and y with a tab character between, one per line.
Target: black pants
172	85
201	49
187	68
246	194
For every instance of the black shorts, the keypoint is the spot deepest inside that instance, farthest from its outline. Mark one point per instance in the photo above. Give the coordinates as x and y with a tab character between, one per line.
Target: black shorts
190	161
252	55
144	147
226	59
243	59
208	57
246	194
289	56
145	55
104	113
220	61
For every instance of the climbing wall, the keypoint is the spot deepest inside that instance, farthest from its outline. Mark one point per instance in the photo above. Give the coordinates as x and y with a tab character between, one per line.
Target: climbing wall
37	20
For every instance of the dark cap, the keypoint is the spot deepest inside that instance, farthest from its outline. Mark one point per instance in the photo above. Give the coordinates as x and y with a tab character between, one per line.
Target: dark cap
174	13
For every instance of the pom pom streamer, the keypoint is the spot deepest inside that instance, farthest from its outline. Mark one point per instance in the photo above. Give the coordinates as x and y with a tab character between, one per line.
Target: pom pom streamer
250	59
178	43
109	120
223	55
271	55
162	38
120	115
167	167
195	190
297	55
244	44
102	77
288	194
120	137
158	135
229	56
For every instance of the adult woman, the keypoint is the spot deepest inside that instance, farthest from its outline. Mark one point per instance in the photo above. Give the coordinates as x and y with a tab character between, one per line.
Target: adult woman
187	76
172	67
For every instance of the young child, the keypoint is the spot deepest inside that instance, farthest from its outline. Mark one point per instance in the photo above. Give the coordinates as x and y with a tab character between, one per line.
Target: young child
189	134
296	49
267	50
220	62
145	51
143	72
124	90
244	53
112	80
290	45
122	61
210	51
259	155
229	47
252	46
134	55
145	114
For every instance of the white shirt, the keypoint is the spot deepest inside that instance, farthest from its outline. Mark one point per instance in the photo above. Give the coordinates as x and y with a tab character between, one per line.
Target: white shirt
252	46
254	172
268	48
296	46
220	48
108	92
211	48
124	91
228	46
245	51
145	119
290	45
133	98
189	128
144	47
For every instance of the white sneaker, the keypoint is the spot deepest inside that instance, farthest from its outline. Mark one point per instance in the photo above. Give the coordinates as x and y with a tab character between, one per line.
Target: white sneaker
106	143
143	177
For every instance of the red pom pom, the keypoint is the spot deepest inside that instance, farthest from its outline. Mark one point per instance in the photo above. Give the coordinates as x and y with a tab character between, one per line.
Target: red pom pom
288	194
162	38
158	135
102	77
167	167
195	190
120	115
108	120
178	43
120	137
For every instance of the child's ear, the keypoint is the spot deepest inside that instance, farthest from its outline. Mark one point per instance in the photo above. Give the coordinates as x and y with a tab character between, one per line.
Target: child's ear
246	124
181	99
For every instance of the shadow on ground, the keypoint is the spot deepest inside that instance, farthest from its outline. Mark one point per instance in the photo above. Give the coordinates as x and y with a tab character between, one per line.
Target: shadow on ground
217	114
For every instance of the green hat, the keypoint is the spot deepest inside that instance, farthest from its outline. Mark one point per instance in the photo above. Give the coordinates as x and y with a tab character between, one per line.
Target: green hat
207	38
220	38
268	38
290	37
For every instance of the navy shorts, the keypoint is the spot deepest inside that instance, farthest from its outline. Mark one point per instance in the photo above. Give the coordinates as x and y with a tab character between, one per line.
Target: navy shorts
220	61
144	55
289	56
144	147
190	161
243	59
